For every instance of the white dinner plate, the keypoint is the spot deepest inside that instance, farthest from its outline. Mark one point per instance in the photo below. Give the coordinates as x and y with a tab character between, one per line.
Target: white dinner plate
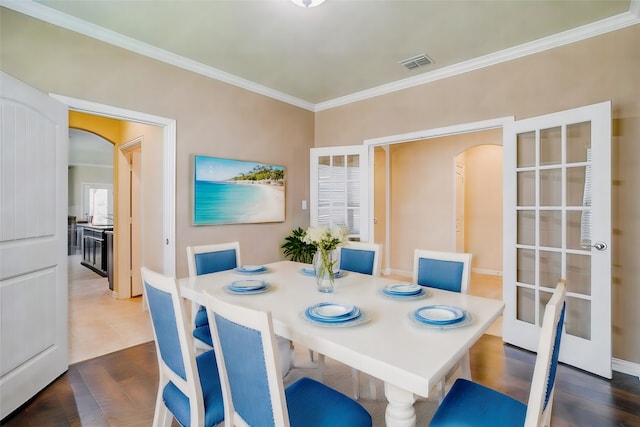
251	269
439	314
247	289
247	285
328	312
403	289
466	320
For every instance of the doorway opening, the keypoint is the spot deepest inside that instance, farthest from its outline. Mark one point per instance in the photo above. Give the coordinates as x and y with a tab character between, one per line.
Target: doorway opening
160	248
105	309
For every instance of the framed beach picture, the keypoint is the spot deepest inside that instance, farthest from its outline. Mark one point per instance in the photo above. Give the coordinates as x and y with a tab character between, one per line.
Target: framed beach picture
228	191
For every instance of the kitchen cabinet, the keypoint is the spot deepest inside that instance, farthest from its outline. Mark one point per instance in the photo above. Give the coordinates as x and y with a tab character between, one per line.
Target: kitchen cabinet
94	248
109	249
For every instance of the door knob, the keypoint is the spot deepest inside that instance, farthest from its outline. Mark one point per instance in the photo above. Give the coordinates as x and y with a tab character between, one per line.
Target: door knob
600	246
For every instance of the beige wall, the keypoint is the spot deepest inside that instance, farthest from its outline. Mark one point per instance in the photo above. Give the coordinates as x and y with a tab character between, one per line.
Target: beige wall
483	204
422	205
586	72
212	118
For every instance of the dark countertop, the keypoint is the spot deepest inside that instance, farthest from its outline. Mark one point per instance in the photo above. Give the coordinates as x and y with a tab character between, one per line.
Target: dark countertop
97	227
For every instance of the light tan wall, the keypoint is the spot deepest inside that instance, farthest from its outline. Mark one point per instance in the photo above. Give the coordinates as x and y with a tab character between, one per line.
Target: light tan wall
483	205
212	118
422	206
582	73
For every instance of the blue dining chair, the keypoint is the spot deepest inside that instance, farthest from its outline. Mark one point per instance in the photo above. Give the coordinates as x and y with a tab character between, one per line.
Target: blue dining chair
471	404
254	394
450	271
205	259
189	389
361	257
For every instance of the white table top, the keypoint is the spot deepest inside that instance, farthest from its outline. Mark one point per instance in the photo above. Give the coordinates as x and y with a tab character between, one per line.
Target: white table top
389	346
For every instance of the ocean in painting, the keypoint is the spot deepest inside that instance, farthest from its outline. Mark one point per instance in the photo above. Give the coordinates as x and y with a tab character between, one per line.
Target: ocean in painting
227	203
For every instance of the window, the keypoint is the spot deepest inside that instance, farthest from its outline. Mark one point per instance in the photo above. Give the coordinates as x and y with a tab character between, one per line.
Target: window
98	203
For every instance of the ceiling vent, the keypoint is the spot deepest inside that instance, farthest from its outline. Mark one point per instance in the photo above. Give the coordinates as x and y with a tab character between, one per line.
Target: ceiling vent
416	61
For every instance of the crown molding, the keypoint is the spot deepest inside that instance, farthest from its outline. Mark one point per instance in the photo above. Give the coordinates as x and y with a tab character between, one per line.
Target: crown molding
52	16
613	23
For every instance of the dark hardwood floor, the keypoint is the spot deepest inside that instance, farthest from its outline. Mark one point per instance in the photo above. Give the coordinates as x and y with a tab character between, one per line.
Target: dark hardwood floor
119	389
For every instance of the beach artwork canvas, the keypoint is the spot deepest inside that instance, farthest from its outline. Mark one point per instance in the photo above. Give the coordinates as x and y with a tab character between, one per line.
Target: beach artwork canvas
230	191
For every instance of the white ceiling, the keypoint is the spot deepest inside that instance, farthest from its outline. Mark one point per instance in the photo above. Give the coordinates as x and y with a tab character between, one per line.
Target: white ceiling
89	149
340	51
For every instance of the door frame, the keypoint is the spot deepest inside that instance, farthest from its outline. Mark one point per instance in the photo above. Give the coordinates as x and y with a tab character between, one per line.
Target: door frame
470	127
125	253
168	159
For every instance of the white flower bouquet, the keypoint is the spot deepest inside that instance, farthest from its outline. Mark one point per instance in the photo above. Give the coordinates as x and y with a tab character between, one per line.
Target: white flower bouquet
326	240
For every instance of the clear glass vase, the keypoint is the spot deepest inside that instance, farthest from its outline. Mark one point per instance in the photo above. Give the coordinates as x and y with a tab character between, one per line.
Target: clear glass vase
323	262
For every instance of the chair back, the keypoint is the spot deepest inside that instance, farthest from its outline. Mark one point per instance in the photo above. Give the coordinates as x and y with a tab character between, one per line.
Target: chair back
450	271
361	257
544	373
205	259
252	388
174	344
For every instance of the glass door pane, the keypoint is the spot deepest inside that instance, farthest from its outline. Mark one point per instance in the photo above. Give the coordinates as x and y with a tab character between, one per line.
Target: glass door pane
337	180
553	220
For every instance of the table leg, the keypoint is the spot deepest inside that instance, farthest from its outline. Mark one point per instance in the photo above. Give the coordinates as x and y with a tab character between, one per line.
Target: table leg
400	411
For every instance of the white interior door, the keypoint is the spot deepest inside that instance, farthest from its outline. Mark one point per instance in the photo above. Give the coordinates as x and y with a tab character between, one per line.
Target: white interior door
339	179
135	222
33	233
460	194
557	224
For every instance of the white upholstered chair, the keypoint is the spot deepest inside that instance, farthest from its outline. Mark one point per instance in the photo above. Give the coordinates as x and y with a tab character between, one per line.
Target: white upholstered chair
252	387
471	404
189	386
450	271
205	259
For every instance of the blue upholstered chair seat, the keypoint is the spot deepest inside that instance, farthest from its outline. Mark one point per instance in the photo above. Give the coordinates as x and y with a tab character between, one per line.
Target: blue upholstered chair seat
471	404
201	318
203	333
178	403
310	403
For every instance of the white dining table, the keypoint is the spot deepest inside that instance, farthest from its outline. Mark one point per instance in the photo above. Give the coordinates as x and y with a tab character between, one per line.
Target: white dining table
409	357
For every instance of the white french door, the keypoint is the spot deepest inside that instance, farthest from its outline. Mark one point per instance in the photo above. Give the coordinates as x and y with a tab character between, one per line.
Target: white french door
557	224
339	194
33	242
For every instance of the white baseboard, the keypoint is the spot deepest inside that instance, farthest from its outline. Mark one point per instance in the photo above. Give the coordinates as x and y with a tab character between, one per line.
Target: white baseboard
626	367
396	272
487	271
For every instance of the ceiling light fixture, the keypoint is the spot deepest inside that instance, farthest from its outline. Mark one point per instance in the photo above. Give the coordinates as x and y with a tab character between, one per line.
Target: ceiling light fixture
307	3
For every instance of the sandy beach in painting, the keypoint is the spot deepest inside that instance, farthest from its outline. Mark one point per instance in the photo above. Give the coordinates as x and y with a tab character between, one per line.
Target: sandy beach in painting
271	206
